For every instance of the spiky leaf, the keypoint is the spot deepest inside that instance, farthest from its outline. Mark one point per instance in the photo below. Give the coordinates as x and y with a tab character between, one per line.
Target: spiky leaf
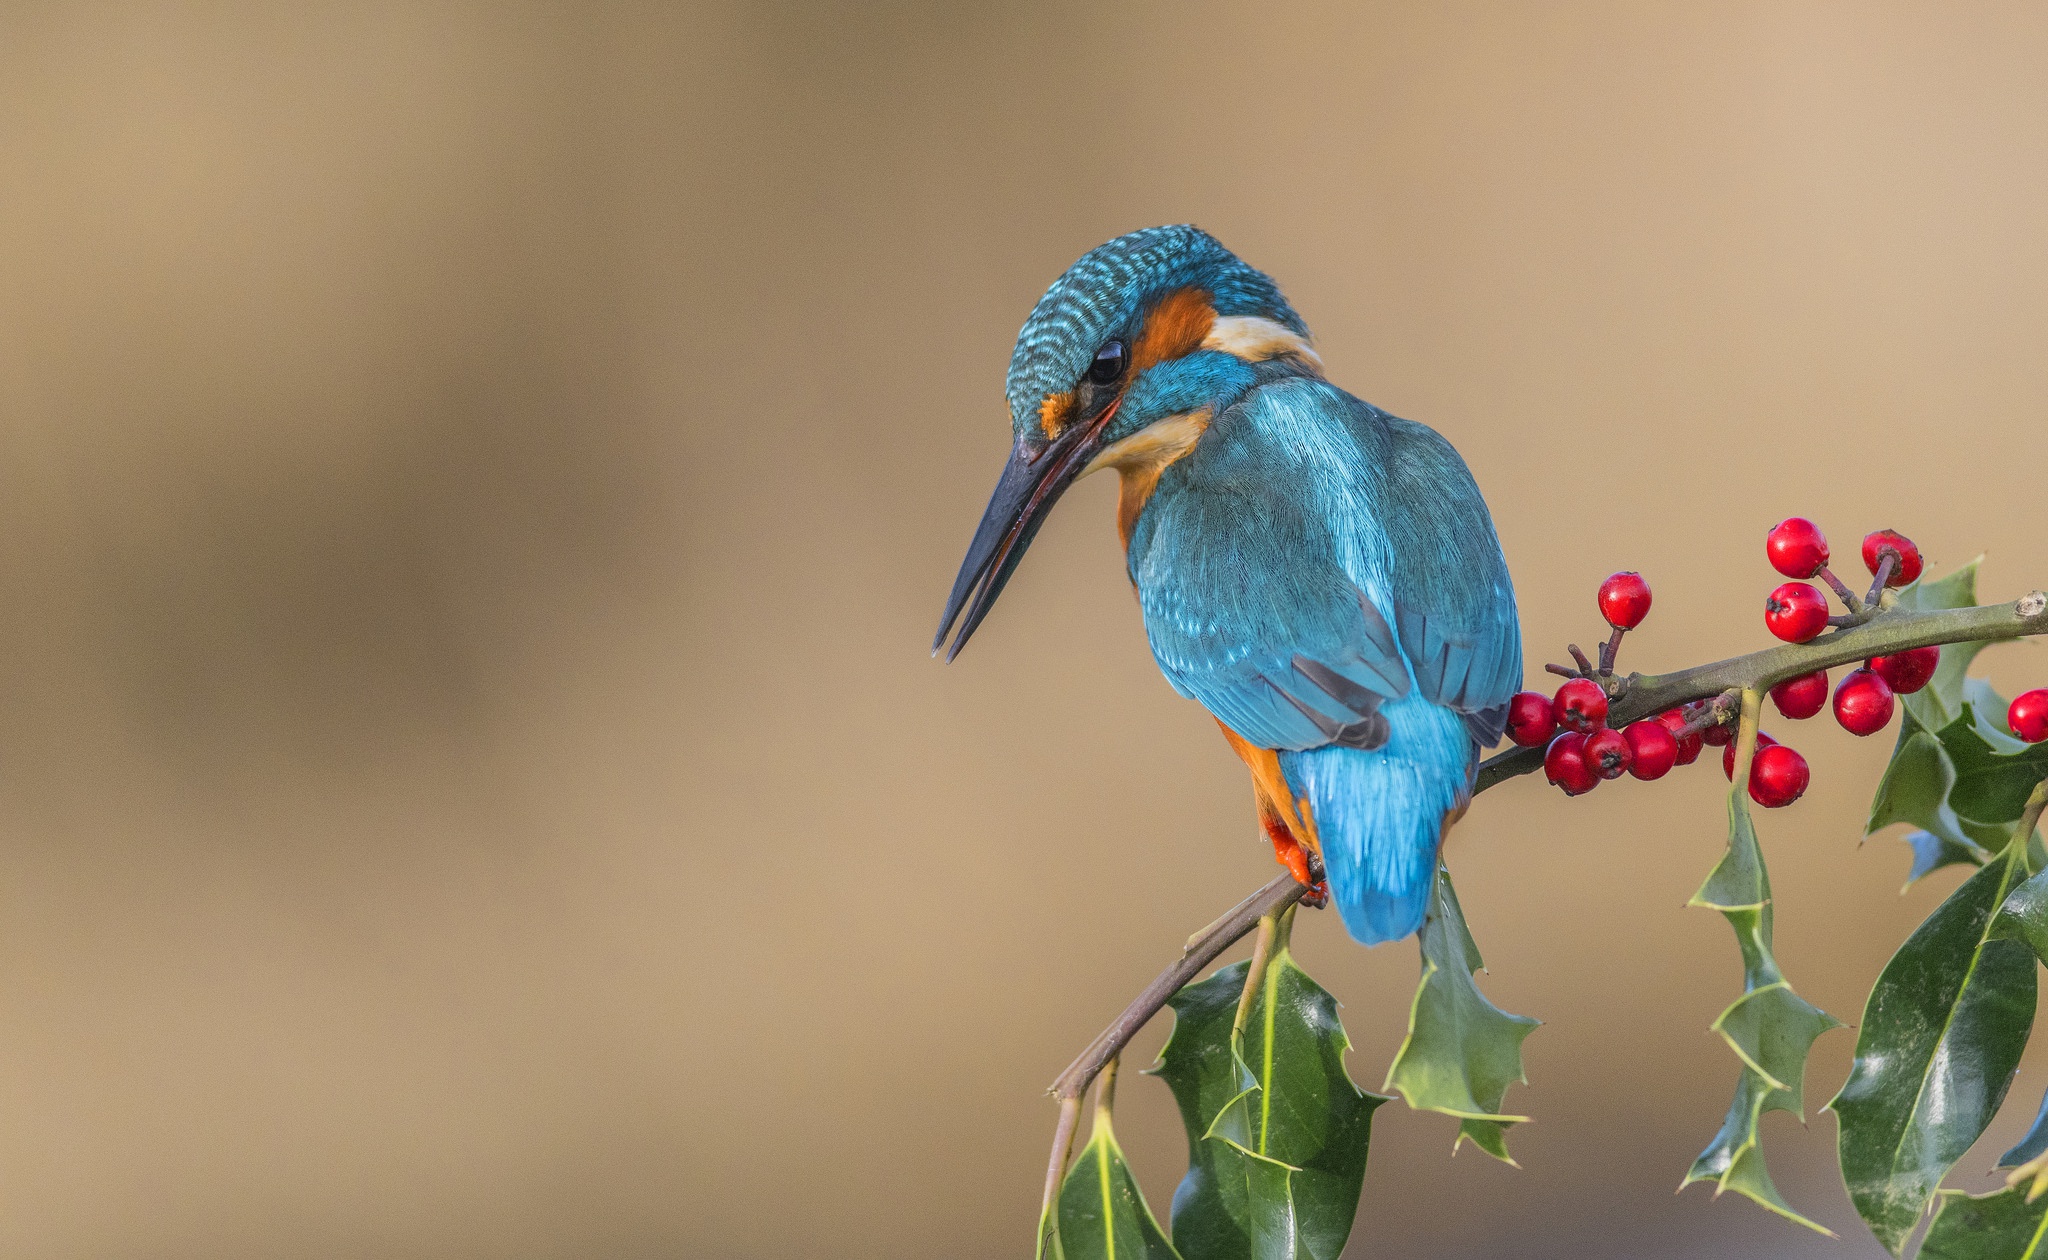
1770	1027
1994	773
2023	916
1277	1132
1734	1161
1102	1214
1941	1035
1932	853
1914	790
1462	1052
1917	781
2000	1226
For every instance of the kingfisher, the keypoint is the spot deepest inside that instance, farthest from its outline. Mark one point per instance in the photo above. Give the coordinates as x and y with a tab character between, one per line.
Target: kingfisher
1323	577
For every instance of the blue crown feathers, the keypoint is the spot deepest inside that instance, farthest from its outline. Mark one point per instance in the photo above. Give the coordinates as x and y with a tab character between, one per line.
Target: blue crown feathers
1108	290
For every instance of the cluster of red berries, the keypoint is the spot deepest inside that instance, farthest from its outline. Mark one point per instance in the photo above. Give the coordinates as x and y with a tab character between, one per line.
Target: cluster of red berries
1797	611
1583	750
1580	749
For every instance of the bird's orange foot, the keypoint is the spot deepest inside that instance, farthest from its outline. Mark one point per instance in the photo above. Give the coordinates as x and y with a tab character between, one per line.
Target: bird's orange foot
1303	865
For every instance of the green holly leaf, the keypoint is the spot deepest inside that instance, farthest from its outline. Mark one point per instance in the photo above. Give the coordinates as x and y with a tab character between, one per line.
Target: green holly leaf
1915	790
1102	1214
1994	773
2000	1226
1931	853
1277	1132
1770	1027
1462	1052
2023	916
1734	1161
1941	1036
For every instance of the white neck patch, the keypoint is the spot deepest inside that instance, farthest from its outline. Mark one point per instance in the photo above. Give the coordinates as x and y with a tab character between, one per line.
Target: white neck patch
1255	339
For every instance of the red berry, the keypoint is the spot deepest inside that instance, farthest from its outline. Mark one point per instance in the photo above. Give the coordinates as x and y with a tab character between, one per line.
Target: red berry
1908	671
1763	741
2028	716
1529	719
1652	750
1580	706
1802	697
1564	764
1777	777
1796	547
1796	612
1907	569
1863	702
1625	600
1688	744
1719	735
1606	752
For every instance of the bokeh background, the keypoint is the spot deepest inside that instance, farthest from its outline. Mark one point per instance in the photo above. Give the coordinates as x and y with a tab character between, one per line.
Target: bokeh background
477	483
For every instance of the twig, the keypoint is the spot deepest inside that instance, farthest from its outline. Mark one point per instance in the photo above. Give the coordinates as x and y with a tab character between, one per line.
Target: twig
1284	891
1700	714
1887	563
2031	817
1255	975
1222	922
1842	592
1895	631
1609	649
1585	666
1265	904
1062	1144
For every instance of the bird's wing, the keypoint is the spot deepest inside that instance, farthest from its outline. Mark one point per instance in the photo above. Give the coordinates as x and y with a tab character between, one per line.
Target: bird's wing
1312	548
1250	581
1454	604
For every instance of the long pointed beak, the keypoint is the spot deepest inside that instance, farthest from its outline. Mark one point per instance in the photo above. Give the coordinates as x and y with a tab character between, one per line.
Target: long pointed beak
1030	485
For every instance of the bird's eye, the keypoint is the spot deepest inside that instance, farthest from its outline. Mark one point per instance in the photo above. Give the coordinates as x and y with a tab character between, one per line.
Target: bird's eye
1109	363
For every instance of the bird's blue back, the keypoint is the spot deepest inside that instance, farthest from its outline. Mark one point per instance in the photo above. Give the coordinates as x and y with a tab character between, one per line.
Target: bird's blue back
1325	579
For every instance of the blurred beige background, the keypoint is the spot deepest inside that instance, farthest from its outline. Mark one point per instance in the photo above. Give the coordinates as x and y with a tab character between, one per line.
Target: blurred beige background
478	484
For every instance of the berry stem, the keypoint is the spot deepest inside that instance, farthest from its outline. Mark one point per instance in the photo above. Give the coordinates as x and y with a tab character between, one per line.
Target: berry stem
1704	713
1842	592
1608	649
1585	666
1887	561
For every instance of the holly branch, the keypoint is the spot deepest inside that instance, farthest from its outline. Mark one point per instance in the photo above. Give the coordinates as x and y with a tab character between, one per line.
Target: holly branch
1874	627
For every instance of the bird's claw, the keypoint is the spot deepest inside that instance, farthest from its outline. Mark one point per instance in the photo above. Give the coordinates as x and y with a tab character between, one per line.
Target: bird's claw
1306	867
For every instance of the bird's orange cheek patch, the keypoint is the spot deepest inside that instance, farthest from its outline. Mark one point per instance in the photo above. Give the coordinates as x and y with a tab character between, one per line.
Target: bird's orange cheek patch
1177	326
1055	413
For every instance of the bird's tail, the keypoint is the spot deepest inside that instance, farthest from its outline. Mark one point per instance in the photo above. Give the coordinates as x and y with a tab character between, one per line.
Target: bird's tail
1381	814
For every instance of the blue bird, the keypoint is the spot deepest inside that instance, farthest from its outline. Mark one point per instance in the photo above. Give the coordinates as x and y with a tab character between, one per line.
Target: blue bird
1322	577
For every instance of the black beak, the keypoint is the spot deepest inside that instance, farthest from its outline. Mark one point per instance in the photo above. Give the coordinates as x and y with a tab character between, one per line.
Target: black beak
1031	483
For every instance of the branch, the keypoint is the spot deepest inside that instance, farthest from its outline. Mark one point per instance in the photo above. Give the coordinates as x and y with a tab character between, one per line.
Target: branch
1638	696
1284	891
1645	695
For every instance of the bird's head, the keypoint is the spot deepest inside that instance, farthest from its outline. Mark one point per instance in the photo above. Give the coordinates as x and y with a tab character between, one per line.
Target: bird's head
1127	355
